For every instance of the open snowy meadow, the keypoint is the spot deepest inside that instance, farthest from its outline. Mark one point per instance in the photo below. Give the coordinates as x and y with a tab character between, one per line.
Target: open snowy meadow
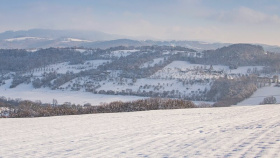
240	131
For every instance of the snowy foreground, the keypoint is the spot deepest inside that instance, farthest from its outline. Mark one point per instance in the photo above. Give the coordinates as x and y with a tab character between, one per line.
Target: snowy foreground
242	131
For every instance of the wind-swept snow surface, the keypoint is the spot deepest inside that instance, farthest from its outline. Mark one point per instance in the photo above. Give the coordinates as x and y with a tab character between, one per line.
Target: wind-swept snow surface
250	131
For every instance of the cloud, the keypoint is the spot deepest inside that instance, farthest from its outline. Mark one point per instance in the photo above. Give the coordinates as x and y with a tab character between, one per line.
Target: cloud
147	30
246	15
134	27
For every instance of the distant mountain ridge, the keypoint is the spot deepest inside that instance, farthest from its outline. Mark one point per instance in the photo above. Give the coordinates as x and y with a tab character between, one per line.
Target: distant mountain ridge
55	34
45	38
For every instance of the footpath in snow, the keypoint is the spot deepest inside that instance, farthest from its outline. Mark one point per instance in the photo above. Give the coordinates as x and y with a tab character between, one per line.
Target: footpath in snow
242	131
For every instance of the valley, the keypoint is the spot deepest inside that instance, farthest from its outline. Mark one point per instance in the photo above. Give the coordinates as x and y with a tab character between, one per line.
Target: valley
139	79
94	76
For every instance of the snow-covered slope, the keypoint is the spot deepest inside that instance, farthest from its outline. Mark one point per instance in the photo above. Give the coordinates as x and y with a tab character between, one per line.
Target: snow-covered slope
75	40
262	93
45	95
176	77
23	38
66	67
250	131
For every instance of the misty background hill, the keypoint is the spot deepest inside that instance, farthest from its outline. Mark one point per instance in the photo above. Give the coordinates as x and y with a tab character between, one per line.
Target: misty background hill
56	34
45	38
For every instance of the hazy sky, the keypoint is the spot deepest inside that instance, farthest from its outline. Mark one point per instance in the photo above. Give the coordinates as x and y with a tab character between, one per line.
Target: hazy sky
252	21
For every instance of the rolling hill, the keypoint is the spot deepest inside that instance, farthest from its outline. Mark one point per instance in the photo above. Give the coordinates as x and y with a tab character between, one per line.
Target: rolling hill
251	131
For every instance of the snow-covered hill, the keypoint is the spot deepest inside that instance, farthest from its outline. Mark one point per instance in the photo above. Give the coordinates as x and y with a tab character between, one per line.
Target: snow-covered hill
77	75
46	95
250	131
262	93
163	80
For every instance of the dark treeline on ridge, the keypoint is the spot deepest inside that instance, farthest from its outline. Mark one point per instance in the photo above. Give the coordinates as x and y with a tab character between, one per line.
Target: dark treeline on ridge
16	109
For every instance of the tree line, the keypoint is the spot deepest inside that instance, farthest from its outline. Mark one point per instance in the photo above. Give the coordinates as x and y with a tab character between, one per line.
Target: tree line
36	109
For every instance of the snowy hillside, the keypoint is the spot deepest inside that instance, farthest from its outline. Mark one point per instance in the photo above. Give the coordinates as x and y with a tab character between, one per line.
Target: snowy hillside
45	95
174	78
66	67
262	93
23	38
250	131
82	75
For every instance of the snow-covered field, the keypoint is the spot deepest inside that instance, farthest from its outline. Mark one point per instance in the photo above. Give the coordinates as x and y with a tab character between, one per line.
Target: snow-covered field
183	69
75	40
45	95
66	67
23	38
155	85
262	93
249	131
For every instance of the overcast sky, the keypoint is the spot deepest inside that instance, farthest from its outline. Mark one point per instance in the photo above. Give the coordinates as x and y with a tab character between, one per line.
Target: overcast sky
237	21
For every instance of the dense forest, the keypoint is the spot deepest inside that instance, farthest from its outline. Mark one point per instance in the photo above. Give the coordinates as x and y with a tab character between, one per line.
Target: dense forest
241	55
